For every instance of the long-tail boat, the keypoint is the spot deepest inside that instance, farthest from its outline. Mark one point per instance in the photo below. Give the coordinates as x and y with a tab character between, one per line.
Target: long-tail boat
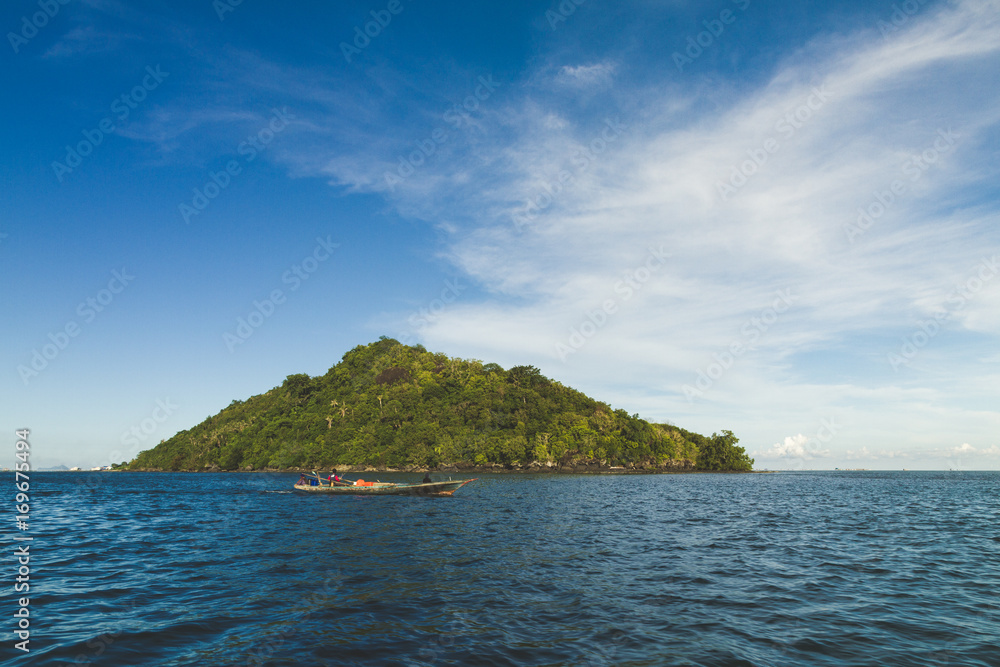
315	484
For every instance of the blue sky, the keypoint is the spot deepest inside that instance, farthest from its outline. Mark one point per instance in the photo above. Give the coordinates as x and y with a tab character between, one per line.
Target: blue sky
771	217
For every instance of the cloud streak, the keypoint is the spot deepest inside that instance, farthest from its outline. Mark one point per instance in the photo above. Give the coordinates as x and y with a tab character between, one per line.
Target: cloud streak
828	134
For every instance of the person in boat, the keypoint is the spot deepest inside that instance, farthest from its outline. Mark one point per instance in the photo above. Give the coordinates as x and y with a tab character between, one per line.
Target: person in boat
334	477
427	478
302	480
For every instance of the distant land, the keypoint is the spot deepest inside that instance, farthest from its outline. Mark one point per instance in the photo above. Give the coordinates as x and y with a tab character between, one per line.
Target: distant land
389	406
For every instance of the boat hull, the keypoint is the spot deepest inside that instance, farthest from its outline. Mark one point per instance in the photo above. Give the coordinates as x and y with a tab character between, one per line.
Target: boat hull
389	489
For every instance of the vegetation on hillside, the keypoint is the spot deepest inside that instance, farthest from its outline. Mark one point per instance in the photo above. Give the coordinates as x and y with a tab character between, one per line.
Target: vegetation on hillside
392	405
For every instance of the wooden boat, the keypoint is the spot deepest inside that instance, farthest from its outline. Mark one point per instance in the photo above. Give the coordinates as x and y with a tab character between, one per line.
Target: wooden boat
316	484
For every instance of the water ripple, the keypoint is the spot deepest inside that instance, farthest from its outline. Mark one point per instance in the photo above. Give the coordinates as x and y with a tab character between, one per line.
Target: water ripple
780	569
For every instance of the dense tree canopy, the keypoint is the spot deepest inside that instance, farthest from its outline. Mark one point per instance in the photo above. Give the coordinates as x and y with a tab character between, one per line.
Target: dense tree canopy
388	404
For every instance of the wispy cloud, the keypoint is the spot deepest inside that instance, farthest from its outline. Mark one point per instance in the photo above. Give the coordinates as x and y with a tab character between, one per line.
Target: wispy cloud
598	74
753	196
785	227
87	40
864	454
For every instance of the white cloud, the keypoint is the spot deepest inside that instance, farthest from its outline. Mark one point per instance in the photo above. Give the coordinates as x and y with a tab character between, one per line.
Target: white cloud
862	453
784	229
964	452
865	454
794	446
965	449
586	75
832	131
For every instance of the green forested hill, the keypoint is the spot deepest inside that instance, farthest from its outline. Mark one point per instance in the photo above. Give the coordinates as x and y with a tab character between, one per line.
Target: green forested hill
392	405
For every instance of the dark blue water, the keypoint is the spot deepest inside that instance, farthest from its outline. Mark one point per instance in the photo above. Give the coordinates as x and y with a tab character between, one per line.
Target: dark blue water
774	569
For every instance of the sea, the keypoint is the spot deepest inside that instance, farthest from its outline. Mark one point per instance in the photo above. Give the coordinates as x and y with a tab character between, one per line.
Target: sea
789	568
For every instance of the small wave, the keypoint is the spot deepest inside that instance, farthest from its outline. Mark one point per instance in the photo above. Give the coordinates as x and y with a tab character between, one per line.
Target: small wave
185	571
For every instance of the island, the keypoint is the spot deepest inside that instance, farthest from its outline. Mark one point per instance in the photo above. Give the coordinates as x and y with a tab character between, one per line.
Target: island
390	406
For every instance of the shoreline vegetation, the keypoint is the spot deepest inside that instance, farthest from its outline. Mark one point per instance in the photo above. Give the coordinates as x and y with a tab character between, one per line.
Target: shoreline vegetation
595	469
389	407
462	470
